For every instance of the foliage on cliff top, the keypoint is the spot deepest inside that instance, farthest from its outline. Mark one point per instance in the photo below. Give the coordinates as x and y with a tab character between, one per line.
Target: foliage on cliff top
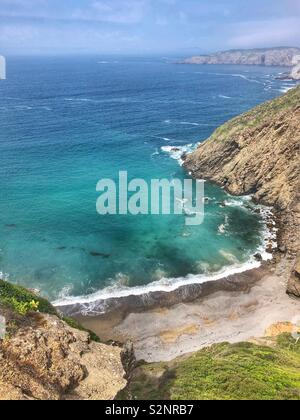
16	302
17	296
258	115
242	371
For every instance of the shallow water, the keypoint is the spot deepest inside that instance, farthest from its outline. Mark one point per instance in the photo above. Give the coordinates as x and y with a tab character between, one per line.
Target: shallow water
66	123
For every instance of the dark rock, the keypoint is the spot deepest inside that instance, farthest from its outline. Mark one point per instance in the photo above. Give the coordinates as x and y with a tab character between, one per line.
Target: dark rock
282	249
99	254
258	257
128	359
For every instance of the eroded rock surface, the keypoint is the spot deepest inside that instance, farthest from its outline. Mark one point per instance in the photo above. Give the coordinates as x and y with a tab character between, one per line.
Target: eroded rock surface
258	153
48	360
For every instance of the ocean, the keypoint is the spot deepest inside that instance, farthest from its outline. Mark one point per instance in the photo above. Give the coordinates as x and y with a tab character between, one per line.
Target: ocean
68	122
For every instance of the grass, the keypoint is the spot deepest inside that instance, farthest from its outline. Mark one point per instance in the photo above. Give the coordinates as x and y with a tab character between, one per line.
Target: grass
242	371
17	302
257	116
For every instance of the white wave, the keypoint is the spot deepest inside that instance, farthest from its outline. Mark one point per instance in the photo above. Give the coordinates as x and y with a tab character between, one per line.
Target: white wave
163	285
156	153
222	229
189	123
4	276
79	100
224	97
23	107
176	152
163	138
242	76
118	290
234	203
285	89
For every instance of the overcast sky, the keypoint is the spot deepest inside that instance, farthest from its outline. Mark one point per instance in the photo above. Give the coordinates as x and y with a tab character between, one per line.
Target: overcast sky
145	26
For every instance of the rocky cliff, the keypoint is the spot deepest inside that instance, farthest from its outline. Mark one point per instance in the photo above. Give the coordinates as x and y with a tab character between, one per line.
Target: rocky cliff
267	57
44	358
258	153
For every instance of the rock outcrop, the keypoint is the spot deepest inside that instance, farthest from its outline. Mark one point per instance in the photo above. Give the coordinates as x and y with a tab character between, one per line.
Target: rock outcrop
258	153
45	359
295	73
294	282
281	56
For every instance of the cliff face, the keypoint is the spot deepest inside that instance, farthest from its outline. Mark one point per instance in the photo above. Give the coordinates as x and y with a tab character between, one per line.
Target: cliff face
258	153
295	73
47	360
265	57
44	358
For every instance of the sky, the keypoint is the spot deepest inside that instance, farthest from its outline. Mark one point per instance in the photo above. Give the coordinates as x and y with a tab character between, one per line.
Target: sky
51	27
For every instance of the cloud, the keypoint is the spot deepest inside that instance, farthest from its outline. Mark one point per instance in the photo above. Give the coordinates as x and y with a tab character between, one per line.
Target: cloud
117	11
146	25
47	39
276	32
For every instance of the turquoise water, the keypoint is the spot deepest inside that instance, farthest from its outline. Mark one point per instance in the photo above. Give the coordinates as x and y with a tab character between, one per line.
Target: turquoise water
66	123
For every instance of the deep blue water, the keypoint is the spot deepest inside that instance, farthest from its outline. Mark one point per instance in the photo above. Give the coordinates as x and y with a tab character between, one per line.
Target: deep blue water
67	122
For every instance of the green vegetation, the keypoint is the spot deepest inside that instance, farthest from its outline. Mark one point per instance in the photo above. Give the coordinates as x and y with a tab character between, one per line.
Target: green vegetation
257	116
224	371
77	326
16	302
22	300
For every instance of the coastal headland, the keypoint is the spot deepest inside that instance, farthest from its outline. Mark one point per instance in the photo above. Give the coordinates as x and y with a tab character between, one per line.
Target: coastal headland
256	153
238	323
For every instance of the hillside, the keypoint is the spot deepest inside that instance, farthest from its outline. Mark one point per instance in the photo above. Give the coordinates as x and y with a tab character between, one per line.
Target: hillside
281	56
258	153
266	371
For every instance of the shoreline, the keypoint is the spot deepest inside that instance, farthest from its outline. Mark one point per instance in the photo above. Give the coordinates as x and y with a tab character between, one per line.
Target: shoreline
242	307
154	294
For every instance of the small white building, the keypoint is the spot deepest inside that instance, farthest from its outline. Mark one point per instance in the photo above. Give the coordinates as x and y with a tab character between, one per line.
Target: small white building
2	68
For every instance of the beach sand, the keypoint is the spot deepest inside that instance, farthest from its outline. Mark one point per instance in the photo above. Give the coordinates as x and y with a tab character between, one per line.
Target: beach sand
163	334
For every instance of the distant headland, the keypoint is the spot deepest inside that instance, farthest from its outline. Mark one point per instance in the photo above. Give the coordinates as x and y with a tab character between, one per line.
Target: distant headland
279	56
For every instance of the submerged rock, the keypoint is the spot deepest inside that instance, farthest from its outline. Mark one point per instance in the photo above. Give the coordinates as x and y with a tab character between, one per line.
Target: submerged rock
99	254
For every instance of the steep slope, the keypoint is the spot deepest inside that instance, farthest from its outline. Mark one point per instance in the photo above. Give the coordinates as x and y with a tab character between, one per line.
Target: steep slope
43	358
243	371
258	153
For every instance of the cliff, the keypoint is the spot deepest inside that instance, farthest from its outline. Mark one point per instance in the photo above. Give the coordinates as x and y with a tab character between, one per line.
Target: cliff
45	357
281	56
258	153
295	73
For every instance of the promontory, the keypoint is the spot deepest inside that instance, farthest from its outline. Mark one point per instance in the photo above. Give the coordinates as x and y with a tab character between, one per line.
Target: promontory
280	56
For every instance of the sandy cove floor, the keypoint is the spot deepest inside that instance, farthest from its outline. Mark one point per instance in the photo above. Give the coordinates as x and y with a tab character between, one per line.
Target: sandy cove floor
166	333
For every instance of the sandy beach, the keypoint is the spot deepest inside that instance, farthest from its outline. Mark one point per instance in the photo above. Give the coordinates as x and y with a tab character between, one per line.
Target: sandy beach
163	334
